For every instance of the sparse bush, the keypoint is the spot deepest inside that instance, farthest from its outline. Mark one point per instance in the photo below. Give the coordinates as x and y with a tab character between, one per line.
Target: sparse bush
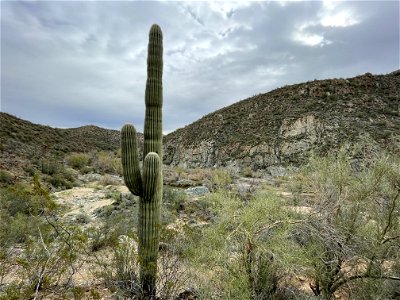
63	178
122	274
59	181
21	208
116	222
78	160
47	250
86	170
261	272
23	199
106	162
356	227
232	250
174	199
50	167
109	180
82	218
247	172
220	178
6	178
48	258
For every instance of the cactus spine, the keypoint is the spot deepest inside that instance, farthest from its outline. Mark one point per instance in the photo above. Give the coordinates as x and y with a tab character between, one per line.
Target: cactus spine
147	186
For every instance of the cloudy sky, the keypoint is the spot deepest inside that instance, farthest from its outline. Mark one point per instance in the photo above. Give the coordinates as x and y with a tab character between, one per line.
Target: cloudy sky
74	63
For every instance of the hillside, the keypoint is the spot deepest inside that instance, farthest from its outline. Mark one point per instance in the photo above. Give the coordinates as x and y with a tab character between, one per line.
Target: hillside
21	140
267	131
282	127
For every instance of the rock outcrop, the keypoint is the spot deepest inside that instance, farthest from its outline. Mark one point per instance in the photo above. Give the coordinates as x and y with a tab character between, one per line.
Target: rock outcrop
283	127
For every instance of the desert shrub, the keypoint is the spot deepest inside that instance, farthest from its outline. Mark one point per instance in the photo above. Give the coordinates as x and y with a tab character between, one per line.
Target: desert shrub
25	199
15	229
355	227
6	178
82	218
22	207
106	162
86	170
116	222
62	179
48	260
173	199
122	274
261	272
78	160
36	247
247	172
109	180
236	250
30	170
59	181
50	167
218	179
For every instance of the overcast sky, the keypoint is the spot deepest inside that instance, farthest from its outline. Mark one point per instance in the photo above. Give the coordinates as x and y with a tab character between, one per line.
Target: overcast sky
68	64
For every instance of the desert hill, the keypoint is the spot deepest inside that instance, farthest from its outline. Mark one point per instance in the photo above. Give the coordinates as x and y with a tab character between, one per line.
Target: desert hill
282	127
22	140
267	131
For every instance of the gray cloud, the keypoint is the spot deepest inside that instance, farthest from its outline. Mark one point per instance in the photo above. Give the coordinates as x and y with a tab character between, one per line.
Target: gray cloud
69	64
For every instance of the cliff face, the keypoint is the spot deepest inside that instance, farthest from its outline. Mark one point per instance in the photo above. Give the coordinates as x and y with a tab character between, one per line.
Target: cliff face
281	128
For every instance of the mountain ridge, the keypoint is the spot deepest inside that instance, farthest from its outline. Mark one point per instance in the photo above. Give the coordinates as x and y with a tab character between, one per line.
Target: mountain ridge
281	127
276	129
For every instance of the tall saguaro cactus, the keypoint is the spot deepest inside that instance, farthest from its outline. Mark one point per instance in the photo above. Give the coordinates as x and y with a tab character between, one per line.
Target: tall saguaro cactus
148	186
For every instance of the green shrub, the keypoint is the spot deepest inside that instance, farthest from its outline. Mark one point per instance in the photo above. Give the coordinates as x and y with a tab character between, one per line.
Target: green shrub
78	160
109	180
58	181
47	258
220	179
221	249
357	224
82	218
247	172
50	167
62	179
23	199
6	178
173	199
106	162
116	222
86	170
21	209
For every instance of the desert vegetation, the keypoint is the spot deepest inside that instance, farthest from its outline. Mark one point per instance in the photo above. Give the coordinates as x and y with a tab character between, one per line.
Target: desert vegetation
328	230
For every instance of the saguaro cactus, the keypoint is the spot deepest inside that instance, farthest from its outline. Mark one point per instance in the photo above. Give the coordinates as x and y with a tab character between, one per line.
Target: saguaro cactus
148	186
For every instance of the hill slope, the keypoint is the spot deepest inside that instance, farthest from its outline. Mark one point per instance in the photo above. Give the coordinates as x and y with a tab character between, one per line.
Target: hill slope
283	126
267	131
21	140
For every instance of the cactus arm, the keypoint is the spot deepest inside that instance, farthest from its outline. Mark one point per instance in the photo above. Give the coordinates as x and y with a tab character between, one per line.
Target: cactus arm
130	161
151	174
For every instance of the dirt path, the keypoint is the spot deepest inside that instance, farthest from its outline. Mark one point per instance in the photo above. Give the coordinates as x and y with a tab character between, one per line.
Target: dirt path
87	198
